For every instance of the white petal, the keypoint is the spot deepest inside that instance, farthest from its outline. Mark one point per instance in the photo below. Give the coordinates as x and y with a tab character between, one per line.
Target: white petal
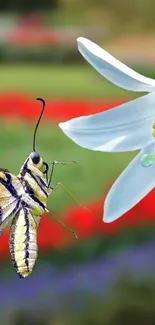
112	69
130	187
124	128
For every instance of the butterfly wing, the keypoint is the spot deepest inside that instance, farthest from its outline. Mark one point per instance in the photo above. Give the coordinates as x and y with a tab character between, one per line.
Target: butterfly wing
23	242
10	189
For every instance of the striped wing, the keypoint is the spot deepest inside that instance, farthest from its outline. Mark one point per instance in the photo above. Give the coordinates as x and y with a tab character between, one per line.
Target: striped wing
10	188
23	242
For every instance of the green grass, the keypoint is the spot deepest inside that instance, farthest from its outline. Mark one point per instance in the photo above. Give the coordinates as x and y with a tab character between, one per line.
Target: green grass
86	180
61	81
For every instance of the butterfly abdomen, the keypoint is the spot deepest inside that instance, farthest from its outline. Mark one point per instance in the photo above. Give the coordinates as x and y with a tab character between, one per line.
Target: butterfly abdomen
22	243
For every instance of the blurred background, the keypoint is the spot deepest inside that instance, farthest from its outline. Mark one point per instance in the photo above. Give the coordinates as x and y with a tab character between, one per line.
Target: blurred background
107	276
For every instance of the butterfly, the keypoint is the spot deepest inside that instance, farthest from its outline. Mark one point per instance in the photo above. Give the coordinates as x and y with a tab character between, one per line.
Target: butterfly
23	200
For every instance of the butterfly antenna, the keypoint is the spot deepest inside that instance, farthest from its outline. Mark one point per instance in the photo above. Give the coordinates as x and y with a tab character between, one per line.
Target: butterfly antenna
36	128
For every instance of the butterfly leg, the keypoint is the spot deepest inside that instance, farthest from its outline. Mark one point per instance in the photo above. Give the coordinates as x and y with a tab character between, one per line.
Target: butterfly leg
55	162
61	185
52	170
73	197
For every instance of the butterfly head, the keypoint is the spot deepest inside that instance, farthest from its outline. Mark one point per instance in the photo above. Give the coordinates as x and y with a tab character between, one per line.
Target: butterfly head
37	163
35	158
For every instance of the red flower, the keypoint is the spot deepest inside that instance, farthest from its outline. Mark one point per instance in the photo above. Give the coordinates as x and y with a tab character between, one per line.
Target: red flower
4	244
83	222
50	233
20	106
147	206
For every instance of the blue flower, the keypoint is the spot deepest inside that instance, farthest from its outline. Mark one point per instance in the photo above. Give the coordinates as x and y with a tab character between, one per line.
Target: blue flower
127	127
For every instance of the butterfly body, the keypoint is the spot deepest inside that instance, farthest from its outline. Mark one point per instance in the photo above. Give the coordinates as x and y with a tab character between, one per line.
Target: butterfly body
23	199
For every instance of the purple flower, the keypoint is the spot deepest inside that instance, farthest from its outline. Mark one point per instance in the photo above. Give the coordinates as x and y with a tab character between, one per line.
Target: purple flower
50	287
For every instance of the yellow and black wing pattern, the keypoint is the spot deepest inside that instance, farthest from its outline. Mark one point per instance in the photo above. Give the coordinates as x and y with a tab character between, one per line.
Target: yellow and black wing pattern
9	197
22	239
23	242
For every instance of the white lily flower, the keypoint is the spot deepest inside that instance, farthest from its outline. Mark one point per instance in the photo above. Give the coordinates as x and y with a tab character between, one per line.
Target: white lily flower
127	127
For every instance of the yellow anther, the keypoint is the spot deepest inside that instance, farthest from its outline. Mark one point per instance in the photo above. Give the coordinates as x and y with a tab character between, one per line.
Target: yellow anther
153	125
153	133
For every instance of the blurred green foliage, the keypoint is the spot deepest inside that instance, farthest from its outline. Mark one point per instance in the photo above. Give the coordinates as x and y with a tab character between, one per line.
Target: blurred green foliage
132	303
58	81
62	81
26	6
57	54
113	17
